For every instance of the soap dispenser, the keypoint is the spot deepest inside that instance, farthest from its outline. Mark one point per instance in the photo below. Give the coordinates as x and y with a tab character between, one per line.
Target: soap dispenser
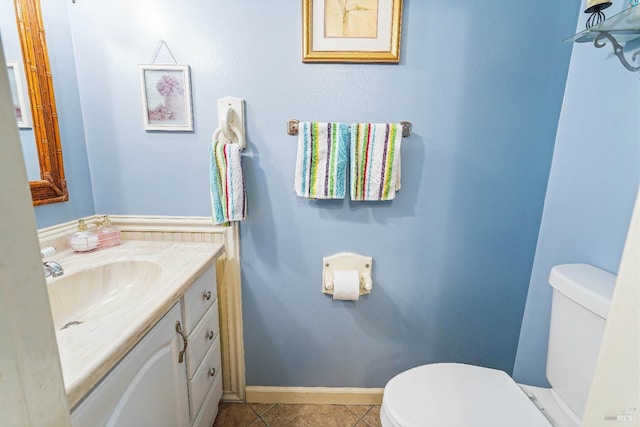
83	240
108	234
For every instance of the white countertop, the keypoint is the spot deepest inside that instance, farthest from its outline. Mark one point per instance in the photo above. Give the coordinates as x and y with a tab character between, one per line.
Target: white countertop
89	350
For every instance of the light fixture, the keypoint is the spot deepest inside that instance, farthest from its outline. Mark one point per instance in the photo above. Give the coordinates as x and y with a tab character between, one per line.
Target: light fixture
595	8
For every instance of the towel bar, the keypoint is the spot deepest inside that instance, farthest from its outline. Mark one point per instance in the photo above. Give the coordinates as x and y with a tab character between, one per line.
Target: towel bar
292	128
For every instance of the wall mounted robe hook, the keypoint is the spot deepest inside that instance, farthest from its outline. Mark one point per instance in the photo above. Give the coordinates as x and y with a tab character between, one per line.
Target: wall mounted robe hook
226	118
231	120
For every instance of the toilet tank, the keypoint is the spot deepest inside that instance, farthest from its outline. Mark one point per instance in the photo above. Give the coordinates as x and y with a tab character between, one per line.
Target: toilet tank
579	309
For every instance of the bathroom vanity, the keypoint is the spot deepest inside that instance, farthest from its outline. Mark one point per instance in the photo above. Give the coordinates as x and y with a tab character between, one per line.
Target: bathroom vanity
138	334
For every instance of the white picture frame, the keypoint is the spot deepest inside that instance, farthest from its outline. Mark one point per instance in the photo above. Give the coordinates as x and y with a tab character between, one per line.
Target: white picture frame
17	94
165	91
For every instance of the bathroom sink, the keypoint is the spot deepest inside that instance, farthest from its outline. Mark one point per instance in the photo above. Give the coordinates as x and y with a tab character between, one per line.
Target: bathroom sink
88	294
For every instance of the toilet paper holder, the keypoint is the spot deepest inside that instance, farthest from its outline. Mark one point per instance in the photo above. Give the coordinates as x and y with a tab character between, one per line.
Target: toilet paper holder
347	261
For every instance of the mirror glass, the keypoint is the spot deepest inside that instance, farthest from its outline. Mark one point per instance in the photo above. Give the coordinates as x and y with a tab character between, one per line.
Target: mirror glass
15	68
34	93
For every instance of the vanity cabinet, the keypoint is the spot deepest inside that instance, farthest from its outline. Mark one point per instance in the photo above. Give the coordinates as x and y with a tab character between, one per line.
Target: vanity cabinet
146	388
159	382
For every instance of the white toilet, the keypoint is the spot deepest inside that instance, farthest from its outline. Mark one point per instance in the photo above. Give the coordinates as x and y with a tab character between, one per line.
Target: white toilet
460	395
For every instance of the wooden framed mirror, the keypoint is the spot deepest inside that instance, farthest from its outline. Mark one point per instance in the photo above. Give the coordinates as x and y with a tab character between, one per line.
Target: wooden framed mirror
52	186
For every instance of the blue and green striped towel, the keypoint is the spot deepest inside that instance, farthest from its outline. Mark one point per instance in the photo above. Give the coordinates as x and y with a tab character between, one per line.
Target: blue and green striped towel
228	193
321	162
375	160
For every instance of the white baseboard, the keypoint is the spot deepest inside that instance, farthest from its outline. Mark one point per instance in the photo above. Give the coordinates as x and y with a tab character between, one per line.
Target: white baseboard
315	395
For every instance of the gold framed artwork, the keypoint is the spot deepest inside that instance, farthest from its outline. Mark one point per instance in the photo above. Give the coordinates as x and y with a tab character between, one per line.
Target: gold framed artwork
351	30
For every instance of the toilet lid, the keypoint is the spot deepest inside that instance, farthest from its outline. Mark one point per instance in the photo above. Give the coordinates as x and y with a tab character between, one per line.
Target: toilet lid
458	395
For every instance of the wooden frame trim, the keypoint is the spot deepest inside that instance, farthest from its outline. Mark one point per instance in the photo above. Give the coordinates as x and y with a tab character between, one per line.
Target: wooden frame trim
190	229
315	395
52	186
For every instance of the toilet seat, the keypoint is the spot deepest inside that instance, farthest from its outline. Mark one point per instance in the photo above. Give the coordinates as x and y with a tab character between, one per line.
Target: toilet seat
457	395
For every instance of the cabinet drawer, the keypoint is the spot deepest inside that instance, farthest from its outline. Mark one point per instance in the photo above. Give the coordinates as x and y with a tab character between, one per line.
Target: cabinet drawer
200	296
202	379
201	339
209	409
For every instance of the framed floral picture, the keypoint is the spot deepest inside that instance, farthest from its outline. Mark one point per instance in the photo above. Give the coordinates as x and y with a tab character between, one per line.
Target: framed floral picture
166	97
17	94
351	30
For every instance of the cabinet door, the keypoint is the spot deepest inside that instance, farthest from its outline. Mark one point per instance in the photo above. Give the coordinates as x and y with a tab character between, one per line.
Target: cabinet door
148	387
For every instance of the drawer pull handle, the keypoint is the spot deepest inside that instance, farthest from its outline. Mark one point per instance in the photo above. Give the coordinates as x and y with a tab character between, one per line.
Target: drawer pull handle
212	372
210	335
184	340
207	295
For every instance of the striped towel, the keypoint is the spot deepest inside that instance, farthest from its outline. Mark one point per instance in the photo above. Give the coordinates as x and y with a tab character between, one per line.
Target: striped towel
375	160
228	193
321	163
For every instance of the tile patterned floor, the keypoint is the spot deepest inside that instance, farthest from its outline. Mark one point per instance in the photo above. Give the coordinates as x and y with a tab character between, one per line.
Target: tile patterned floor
285	415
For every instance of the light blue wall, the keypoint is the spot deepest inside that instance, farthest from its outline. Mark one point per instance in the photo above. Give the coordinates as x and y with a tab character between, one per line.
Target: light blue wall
62	61
592	187
482	85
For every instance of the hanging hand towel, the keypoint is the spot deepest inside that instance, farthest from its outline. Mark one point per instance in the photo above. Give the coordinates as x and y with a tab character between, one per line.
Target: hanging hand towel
375	160
321	163
228	193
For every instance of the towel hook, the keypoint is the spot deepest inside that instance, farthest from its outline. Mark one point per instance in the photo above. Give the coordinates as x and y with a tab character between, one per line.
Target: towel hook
225	122
231	120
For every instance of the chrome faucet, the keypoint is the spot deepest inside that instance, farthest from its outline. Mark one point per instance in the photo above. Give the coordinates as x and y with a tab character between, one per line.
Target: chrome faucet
51	268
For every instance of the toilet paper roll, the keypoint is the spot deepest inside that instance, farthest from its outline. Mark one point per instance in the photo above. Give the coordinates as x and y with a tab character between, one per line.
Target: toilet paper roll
346	285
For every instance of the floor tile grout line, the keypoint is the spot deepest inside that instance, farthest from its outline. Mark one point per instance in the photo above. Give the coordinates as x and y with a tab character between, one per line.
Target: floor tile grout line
254	411
262	419
365	414
266	412
354	413
359	417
